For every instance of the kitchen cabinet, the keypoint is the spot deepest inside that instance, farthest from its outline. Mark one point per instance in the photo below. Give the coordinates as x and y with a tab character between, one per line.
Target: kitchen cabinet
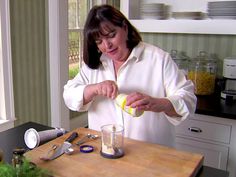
130	8
214	137
214	155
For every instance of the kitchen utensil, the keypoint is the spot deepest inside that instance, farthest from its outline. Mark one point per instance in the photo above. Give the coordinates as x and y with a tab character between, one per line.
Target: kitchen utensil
33	138
86	138
72	150
229	74
67	144
112	141
69	151
49	153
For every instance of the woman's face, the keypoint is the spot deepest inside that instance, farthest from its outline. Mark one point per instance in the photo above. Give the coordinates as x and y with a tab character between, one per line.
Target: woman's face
112	42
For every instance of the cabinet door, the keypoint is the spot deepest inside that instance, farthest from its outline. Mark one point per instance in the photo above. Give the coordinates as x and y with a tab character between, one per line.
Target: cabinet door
208	131
215	156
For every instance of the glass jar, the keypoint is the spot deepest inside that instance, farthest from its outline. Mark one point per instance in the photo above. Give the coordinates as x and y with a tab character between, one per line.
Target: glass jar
202	71
181	60
18	156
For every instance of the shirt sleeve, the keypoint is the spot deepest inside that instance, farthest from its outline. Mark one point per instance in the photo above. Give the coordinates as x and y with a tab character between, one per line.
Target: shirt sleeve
74	91
179	91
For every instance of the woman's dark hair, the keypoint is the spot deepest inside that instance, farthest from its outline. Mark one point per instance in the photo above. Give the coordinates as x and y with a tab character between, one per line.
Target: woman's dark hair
92	30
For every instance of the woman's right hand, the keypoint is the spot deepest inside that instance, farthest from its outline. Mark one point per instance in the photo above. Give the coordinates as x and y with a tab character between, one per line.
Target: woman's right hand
106	88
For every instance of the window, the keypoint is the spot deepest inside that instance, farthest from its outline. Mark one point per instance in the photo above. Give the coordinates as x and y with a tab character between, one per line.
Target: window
6	86
77	13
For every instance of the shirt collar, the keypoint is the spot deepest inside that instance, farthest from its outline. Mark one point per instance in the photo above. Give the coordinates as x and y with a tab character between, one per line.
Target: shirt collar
135	54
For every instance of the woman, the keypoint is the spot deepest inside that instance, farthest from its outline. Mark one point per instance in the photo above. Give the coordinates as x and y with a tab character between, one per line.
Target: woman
117	61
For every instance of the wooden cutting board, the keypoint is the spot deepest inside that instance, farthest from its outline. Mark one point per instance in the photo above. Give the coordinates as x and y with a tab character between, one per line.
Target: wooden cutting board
140	160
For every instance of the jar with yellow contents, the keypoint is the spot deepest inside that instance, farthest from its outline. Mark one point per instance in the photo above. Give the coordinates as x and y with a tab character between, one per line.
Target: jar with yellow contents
202	71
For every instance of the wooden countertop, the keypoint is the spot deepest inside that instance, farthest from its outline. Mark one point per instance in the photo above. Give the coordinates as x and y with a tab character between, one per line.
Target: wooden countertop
140	159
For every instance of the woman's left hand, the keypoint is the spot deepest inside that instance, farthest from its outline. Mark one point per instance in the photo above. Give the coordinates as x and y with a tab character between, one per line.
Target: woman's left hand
147	103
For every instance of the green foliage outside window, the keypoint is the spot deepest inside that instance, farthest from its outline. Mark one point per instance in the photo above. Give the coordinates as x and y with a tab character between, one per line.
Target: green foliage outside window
73	72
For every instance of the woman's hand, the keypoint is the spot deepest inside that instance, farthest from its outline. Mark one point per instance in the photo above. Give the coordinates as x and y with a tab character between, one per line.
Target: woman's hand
106	88
147	103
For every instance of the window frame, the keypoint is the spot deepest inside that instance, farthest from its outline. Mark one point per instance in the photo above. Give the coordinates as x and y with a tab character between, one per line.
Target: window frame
7	113
58	66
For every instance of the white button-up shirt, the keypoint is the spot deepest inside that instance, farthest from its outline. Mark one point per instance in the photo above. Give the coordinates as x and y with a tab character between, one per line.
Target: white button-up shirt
148	70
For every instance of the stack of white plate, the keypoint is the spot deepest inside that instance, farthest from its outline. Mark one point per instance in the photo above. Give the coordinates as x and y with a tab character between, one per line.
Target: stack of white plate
152	10
222	9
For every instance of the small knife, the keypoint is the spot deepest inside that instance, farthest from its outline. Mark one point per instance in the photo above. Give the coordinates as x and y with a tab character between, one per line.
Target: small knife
67	144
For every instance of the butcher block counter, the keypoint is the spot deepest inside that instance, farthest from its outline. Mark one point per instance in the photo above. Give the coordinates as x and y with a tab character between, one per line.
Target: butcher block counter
140	159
